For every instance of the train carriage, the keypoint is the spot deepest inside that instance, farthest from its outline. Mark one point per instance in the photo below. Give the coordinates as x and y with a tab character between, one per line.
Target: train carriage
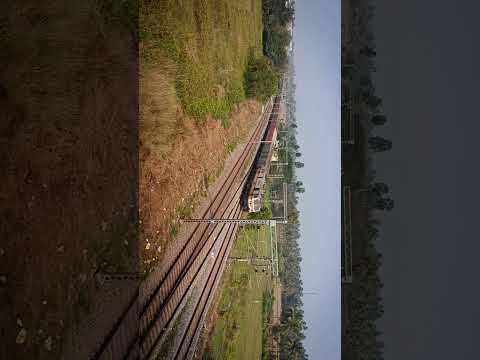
255	187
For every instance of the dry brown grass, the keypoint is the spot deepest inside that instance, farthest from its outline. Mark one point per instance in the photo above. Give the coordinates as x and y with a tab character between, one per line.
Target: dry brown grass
171	186
158	107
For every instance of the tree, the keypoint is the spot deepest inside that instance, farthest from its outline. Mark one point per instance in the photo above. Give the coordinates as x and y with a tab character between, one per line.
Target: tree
368	51
261	79
379	120
299	164
372	232
366	83
264	213
286	14
278	12
379	189
377	200
384	204
373	101
276	42
378	144
299	188
348	72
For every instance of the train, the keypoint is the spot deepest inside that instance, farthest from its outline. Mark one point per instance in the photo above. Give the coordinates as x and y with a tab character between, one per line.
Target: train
255	186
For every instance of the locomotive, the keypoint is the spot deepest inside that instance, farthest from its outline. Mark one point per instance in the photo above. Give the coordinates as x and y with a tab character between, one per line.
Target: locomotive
255	186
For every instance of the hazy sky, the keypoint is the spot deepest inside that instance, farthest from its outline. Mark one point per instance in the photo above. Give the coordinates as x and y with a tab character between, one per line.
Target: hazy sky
317	66
428	77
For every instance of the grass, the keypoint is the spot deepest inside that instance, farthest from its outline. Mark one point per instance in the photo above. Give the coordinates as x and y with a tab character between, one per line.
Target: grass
243	306
203	48
193	55
252	241
231	147
267	304
158	103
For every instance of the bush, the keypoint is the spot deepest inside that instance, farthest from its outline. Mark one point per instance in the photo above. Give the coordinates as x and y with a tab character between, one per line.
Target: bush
261	79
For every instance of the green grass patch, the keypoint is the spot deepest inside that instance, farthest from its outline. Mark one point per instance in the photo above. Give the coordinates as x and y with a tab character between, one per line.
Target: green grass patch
239	329
252	241
173	231
266	310
210	42
230	147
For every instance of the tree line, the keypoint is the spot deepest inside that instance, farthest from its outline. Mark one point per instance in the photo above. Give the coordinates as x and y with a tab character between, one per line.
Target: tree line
293	325
362	340
262	74
278	16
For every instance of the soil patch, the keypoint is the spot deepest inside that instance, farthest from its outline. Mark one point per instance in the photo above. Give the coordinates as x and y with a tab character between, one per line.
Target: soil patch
173	184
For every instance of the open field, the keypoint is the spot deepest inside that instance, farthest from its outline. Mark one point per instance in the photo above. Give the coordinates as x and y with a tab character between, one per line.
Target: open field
238	329
194	54
193	110
254	242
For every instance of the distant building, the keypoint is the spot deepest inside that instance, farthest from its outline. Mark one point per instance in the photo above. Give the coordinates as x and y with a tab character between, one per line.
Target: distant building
275	157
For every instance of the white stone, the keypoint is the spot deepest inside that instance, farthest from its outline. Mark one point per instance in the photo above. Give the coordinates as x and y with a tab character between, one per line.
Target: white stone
22	336
48	343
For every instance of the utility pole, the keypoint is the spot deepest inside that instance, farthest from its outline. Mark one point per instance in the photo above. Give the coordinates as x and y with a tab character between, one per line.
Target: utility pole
237	221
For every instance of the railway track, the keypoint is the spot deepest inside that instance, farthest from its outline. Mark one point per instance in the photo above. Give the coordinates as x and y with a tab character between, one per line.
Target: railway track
139	329
189	338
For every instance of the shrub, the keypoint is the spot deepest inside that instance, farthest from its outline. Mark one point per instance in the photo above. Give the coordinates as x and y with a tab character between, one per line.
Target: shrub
261	79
